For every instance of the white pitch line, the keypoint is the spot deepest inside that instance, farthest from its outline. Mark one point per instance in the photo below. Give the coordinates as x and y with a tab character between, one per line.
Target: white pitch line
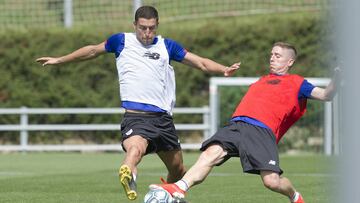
244	174
14	173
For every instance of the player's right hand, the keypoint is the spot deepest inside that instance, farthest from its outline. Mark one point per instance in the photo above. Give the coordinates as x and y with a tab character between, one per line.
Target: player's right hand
48	61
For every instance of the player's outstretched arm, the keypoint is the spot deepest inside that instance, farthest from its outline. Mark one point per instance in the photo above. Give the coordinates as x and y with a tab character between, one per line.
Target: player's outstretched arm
328	93
209	65
84	53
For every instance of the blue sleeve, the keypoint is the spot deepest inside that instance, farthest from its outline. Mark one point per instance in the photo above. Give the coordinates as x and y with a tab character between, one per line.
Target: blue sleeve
305	90
175	50
115	43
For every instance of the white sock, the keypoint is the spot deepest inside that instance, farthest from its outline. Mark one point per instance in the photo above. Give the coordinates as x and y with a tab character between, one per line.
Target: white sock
295	197
182	185
134	177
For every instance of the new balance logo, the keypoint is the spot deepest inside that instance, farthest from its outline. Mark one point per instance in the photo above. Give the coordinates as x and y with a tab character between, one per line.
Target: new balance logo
273	82
154	56
129	132
272	162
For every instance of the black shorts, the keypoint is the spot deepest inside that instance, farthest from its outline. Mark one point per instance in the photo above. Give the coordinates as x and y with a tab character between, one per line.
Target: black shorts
157	128
255	146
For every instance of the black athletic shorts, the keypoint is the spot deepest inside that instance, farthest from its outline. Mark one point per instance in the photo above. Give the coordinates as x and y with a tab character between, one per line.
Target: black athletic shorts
157	128
256	146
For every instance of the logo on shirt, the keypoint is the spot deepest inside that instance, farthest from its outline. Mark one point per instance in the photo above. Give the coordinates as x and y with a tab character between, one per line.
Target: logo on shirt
154	55
273	82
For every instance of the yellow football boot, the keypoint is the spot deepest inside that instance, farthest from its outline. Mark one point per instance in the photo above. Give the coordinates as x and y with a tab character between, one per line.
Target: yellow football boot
127	181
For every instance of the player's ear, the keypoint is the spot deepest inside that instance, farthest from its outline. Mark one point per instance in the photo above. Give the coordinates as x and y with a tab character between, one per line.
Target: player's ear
291	62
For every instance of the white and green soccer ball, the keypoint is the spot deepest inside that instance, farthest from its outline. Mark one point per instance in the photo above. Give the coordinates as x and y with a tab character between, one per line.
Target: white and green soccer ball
158	196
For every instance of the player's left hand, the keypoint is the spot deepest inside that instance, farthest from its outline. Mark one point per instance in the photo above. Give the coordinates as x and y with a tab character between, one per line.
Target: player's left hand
229	71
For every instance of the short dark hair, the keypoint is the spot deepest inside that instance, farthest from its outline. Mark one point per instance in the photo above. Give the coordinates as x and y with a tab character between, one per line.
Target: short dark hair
147	12
287	46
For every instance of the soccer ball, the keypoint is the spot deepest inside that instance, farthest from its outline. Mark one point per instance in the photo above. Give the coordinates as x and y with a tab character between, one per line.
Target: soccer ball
158	196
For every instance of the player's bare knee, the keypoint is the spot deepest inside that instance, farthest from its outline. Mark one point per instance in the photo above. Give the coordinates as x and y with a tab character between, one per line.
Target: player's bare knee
135	146
272	182
135	151
213	155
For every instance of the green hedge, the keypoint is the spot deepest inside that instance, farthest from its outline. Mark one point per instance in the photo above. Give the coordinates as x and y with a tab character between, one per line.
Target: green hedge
95	84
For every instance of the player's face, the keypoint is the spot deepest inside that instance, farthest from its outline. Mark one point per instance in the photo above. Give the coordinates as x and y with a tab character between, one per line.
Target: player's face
280	60
145	30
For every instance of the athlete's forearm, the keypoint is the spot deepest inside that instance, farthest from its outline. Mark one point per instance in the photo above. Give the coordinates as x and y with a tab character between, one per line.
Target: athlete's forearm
84	53
213	67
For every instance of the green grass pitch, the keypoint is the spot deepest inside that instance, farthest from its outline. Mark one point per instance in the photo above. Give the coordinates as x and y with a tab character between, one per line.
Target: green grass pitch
92	178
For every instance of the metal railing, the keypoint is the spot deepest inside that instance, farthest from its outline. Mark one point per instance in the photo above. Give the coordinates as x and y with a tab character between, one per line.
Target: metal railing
24	127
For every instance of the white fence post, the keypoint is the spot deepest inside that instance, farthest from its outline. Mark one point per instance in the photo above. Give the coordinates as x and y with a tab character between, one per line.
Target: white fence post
337	119
24	136
206	121
328	129
214	107
68	13
136	4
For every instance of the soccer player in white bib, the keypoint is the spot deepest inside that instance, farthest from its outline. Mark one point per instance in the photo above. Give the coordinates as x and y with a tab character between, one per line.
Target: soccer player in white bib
147	89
